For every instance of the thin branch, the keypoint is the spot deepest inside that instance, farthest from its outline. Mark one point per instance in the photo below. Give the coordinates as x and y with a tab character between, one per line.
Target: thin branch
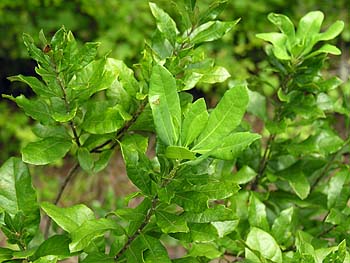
149	214
122	131
67	179
263	162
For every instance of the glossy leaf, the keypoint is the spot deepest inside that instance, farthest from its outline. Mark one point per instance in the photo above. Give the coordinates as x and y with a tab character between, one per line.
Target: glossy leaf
283	227
171	223
209	250
165	105
244	175
285	26
215	74
194	122
36	85
98	258
138	166
234	144
89	230
179	152
46	151
211	31
165	23
85	159
214	10
102	118
18	195
335	187
217	213
57	245
223	119
69	218
257	213
265	244
278	41
225	227
34	108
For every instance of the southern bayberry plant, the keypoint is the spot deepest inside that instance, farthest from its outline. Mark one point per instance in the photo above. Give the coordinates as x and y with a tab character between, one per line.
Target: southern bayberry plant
213	187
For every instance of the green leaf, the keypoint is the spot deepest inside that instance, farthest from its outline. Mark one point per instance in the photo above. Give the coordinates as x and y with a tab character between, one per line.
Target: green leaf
332	32
209	250
34	108
278	40
165	105
83	235
102	118
194	122
69	218
225	227
214	75
179	152
285	26
45	151
215	190
57	245
244	175
215	214
297	180
223	119
309	25
265	244
257	105
338	255
171	223
98	258
5	254
234	144
47	259
139	168
335	187
36	85
214	10
257	213
283	227
211	31
61	111
18	195
326	48
155	251
35	52
190	4
103	160
85	159
57	131
165	23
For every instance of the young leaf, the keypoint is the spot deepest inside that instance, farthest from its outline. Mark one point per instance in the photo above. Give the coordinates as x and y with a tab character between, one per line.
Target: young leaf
69	218
283	227
278	41
179	152
171	223
36	85
211	31
214	10
209	250
165	105
17	193
57	245
233	145
194	122
85	159
335	187
89	230
34	108
285	26
257	213
138	166
215	214
223	119
165	23
46	151
265	244
35	52
102	118
214	75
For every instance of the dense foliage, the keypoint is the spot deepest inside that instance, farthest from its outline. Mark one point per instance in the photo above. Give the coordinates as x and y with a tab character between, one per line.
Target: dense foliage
210	185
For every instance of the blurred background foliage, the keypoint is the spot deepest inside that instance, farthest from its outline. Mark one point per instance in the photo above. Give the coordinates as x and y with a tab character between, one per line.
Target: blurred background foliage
122	27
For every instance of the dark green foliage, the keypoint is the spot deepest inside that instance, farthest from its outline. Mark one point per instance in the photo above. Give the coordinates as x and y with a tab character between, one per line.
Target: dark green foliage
213	186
